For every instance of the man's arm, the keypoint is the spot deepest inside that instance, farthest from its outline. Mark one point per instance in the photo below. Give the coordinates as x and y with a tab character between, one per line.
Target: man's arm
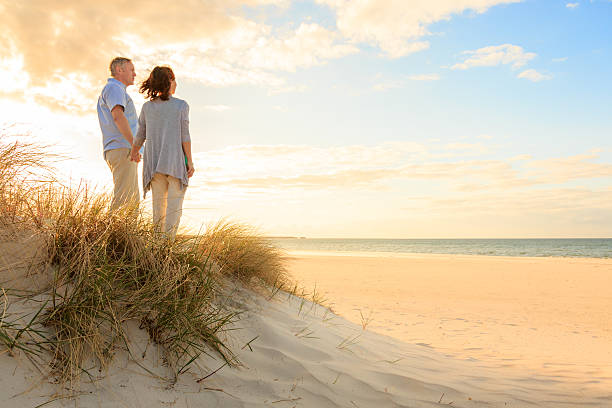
122	123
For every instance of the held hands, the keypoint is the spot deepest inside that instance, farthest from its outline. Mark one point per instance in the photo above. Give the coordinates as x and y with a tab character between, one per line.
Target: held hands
135	155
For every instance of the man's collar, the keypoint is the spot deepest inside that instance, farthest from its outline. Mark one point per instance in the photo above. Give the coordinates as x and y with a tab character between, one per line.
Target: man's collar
111	79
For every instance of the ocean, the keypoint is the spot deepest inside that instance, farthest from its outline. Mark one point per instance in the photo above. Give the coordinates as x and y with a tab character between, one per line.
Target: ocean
574	248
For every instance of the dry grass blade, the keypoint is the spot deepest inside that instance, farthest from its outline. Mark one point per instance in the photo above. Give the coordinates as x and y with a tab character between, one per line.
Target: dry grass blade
348	342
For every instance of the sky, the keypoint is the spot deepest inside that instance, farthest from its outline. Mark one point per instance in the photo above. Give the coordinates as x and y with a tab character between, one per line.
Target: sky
342	118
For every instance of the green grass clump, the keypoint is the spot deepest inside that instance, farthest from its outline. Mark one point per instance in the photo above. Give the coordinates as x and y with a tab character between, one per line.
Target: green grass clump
113	267
18	335
241	253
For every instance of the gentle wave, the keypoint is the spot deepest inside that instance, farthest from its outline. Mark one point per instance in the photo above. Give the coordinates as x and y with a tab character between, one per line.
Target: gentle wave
574	248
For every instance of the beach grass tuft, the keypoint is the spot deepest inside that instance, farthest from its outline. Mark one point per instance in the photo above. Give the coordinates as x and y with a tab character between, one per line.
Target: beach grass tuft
242	253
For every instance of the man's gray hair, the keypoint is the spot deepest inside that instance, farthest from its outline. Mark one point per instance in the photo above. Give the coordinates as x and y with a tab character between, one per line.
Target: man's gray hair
116	63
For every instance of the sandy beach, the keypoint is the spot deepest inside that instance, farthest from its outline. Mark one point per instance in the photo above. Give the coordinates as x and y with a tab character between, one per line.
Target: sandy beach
443	334
549	317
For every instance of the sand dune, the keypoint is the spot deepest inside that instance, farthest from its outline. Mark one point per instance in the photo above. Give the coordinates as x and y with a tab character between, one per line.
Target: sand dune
302	355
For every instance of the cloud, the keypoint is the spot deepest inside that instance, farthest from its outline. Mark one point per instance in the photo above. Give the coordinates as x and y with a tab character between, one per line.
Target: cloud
57	53
467	147
13	78
563	169
465	176
252	51
385	84
424	77
506	54
562	59
520	157
300	165
397	27
278	167
553	171
217	108
534	76
287	89
548	202
388	84
572	5
54	50
349	178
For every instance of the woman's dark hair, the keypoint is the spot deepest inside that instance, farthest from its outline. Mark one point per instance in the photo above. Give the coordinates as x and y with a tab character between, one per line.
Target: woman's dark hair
158	83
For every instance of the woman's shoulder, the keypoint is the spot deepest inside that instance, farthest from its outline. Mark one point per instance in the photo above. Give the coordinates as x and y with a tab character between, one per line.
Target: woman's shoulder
181	103
145	107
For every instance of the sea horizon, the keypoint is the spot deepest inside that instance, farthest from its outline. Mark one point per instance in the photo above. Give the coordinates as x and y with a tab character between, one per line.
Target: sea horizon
514	247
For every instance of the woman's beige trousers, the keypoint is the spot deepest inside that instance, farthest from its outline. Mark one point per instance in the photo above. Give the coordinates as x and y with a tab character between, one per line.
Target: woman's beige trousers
168	195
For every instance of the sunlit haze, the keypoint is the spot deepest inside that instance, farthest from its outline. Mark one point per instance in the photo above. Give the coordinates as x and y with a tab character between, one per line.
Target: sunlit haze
341	118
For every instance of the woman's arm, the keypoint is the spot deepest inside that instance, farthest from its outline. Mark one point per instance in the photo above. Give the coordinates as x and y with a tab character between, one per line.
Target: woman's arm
187	151
186	139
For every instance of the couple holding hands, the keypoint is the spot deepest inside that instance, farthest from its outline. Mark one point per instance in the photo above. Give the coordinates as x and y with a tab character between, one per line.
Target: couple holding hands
163	129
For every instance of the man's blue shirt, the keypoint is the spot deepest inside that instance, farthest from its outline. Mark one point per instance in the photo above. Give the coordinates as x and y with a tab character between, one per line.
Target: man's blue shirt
113	94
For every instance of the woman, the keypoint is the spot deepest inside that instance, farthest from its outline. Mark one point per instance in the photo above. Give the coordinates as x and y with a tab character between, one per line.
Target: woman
167	163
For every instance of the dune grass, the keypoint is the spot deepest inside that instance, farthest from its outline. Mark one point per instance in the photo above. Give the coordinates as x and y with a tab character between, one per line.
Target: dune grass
240	252
113	267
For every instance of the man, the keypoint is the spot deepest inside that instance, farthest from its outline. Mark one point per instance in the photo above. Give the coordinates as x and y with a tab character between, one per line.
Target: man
119	122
